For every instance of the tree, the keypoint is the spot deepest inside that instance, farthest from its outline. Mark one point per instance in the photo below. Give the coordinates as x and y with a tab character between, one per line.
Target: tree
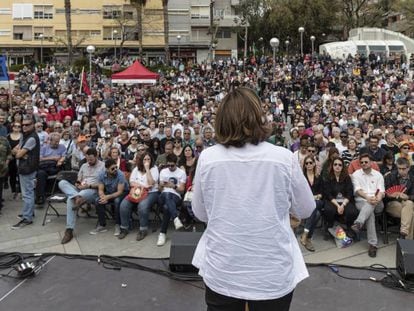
166	31
407	8
68	18
139	6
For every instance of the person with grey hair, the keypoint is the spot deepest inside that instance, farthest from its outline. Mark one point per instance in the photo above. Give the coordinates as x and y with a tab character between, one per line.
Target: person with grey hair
43	135
52	157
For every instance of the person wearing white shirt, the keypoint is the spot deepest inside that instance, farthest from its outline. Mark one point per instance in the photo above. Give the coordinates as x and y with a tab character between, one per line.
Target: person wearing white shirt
369	192
245	189
144	175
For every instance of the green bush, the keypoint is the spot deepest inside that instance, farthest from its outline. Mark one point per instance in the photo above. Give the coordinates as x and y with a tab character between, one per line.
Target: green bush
17	68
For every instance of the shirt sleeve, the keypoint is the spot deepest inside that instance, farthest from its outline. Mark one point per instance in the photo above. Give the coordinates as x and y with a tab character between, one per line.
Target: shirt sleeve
30	144
197	202
356	182
303	202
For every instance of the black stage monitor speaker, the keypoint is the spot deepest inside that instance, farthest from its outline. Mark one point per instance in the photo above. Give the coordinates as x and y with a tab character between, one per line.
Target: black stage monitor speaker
183	245
405	259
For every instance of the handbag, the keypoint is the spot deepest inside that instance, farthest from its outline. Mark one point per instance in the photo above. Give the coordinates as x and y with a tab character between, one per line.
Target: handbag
137	194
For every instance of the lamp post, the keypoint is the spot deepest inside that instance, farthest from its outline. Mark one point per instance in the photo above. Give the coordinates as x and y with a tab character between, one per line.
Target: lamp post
287	42
274	43
301	31
179	42
90	49
41	48
115	33
312	38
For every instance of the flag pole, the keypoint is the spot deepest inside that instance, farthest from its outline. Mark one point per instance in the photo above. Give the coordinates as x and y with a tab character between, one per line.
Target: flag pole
81	82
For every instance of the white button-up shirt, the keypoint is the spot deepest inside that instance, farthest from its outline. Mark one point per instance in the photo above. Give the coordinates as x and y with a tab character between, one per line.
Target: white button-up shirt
369	183
245	195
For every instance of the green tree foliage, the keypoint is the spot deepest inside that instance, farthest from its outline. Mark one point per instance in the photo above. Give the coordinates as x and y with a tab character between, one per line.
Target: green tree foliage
406	7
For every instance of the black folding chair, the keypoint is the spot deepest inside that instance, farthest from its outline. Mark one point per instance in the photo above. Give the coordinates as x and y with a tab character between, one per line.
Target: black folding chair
57	196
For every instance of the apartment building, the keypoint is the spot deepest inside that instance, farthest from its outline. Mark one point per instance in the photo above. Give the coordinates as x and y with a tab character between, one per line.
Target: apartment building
201	30
29	28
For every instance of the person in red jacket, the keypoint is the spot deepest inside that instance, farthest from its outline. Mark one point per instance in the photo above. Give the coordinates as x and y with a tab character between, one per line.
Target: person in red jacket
66	110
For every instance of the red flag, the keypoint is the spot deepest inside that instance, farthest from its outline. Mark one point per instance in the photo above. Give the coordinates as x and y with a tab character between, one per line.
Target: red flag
85	86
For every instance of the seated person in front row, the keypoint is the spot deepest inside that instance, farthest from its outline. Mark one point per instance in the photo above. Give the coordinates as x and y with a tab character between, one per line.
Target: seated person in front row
172	185
112	188
144	175
85	190
52	156
338	195
400	203
369	192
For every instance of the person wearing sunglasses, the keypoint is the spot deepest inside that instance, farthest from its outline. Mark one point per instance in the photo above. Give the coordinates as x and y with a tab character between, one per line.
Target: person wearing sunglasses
112	188
405	152
172	186
338	196
369	191
27	153
315	182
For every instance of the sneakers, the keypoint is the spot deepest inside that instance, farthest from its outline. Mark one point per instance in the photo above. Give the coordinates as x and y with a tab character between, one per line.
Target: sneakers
22	223
117	230
122	234
162	238
68	236
177	223
141	235
98	229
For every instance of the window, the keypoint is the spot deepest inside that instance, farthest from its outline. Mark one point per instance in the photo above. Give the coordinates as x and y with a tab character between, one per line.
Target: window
22	32
95	33
108	33
22	11
5	11
200	12
112	12
43	12
224	33
128	15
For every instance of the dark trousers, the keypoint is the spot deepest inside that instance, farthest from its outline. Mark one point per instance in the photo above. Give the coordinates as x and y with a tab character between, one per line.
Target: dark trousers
330	212
13	176
169	202
2	182
101	211
217	302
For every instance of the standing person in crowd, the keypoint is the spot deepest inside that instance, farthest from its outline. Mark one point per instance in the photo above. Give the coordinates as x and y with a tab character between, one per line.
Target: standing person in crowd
27	153
14	138
144	175
172	186
5	158
369	192
272	262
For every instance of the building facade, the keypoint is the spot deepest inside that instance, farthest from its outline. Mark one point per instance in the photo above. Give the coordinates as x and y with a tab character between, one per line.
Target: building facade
198	30
201	30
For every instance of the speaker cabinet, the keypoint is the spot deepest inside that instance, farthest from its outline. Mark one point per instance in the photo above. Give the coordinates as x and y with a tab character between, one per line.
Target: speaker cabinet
183	245
405	259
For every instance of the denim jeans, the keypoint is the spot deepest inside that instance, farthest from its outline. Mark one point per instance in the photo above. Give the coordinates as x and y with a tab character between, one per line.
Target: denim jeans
27	185
311	222
100	209
71	191
169	202
144	208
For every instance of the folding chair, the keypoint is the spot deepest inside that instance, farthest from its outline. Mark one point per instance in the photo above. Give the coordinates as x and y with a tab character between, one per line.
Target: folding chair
57	196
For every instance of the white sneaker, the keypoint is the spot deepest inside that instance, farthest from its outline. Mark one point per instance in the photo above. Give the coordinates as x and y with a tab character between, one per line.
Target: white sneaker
117	230
98	229
177	223
161	239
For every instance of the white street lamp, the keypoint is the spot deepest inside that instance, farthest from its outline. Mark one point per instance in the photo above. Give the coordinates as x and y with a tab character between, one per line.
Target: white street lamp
312	38
90	49
287	42
274	43
301	31
115	33
41	48
179	41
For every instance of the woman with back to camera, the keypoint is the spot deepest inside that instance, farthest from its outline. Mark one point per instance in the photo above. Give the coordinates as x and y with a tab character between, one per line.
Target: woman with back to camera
245	189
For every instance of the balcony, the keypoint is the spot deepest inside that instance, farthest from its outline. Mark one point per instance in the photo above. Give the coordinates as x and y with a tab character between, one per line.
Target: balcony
200	20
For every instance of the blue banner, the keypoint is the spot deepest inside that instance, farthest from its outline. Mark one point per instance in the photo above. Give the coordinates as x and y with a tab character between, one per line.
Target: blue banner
3	69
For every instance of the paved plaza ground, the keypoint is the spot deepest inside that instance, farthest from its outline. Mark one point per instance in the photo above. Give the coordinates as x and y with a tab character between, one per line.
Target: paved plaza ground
39	239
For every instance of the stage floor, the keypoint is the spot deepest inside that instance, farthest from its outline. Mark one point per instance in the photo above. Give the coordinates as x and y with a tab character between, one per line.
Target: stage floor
75	284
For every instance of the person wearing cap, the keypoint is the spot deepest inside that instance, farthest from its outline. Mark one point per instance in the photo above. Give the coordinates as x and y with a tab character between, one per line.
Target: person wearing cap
405	151
77	155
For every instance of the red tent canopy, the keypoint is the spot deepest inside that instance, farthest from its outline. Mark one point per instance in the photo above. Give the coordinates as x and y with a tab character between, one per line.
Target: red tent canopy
136	73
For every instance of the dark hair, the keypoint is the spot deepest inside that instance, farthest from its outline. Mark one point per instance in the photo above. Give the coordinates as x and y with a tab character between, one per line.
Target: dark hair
140	161
403	161
364	155
171	158
109	163
240	119
344	171
92	151
388	156
308	157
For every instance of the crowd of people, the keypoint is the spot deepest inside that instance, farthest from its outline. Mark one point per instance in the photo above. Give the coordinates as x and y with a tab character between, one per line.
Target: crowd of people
349	122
